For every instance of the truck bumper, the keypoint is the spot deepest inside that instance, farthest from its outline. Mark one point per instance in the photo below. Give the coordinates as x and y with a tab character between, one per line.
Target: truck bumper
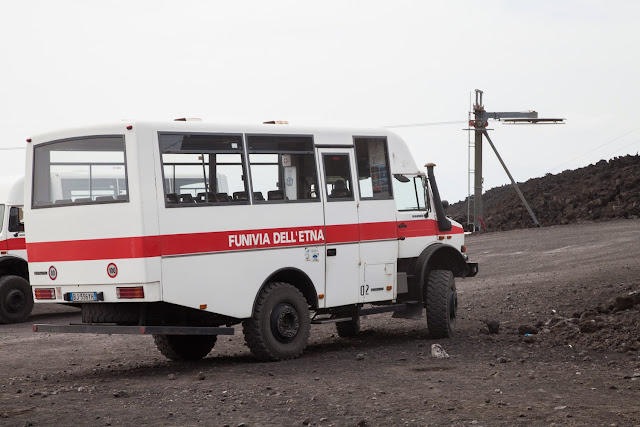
473	269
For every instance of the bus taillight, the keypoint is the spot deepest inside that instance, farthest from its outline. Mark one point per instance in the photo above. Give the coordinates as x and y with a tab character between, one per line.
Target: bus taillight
128	293
48	293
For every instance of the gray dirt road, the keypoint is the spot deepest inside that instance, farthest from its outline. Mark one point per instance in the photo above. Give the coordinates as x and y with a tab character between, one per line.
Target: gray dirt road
385	376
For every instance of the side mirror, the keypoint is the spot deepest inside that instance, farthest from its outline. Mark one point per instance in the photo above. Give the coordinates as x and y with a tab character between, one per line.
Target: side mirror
401	178
445	204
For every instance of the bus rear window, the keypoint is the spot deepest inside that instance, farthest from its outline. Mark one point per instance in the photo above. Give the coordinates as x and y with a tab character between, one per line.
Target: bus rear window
77	171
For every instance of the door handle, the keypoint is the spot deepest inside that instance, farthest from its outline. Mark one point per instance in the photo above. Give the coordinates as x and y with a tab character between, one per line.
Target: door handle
401	238
332	252
402	225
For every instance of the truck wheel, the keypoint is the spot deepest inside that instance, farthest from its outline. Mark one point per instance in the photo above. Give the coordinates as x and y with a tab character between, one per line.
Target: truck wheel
185	347
16	299
118	313
349	328
280	325
442	303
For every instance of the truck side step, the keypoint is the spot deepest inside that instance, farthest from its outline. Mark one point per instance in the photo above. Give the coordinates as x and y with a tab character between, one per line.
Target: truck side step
132	330
361	312
330	320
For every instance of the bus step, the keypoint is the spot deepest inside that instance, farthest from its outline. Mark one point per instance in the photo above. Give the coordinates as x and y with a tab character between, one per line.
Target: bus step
132	330
331	320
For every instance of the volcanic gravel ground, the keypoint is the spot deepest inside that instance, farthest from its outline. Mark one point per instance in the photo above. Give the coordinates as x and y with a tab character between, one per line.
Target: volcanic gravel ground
566	352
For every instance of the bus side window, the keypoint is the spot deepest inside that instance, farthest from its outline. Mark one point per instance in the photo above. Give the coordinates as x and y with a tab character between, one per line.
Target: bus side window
202	169
374	178
410	193
338	177
283	168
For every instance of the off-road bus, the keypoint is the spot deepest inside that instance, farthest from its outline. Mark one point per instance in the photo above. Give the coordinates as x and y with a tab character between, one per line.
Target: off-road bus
278	227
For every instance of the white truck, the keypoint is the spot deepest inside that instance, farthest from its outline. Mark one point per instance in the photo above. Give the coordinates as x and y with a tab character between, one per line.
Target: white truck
16	299
311	225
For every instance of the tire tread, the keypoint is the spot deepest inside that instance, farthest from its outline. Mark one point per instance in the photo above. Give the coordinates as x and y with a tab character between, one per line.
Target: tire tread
438	321
252	326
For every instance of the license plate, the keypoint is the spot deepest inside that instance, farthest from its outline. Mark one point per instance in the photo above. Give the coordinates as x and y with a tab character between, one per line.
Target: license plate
84	296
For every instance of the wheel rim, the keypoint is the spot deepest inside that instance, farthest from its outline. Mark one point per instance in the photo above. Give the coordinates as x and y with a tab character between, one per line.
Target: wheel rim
285	322
15	301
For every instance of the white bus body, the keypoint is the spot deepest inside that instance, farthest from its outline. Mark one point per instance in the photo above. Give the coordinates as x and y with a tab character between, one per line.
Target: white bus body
340	216
16	301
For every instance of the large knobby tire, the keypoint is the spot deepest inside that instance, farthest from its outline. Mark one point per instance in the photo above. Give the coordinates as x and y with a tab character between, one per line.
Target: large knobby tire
185	347
349	328
442	303
16	299
280	324
118	313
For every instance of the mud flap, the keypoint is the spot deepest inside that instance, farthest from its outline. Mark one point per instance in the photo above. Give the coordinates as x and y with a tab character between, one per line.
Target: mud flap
413	311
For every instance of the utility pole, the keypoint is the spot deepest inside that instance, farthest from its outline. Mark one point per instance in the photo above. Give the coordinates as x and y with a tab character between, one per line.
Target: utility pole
479	125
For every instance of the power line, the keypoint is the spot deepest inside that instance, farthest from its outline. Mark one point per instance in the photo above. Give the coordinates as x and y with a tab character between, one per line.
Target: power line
594	149
622	148
13	148
457	122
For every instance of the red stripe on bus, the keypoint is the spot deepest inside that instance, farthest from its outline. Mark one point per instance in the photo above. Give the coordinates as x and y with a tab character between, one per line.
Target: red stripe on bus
179	244
16	244
378	231
13	244
423	227
95	249
342	233
196	243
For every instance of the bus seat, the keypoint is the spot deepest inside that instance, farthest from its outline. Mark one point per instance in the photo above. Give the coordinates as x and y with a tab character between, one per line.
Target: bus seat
222	197
186	198
202	197
240	196
275	195
172	198
339	190
257	195
104	199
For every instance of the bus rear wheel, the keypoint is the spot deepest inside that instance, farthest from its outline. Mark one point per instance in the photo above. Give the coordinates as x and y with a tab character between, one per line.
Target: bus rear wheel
16	299
185	347
280	324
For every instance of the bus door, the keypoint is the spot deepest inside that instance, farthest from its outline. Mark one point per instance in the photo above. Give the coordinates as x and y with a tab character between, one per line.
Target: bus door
416	224
341	226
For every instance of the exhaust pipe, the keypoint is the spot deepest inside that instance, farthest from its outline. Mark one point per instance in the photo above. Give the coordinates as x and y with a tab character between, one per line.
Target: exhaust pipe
443	222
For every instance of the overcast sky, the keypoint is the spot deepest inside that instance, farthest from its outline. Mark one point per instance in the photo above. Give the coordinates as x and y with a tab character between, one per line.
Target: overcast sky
358	63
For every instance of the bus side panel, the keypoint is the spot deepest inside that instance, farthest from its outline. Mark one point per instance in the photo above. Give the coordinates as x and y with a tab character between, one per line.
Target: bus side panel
228	283
221	255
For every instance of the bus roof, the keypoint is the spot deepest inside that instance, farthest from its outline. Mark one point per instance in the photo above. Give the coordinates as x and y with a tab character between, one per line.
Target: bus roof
401	160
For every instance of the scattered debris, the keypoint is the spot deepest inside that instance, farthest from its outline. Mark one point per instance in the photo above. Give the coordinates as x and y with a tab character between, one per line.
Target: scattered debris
438	352
493	326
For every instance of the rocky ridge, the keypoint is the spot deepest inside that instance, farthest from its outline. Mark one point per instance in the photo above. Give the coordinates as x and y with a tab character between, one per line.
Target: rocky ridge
605	190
